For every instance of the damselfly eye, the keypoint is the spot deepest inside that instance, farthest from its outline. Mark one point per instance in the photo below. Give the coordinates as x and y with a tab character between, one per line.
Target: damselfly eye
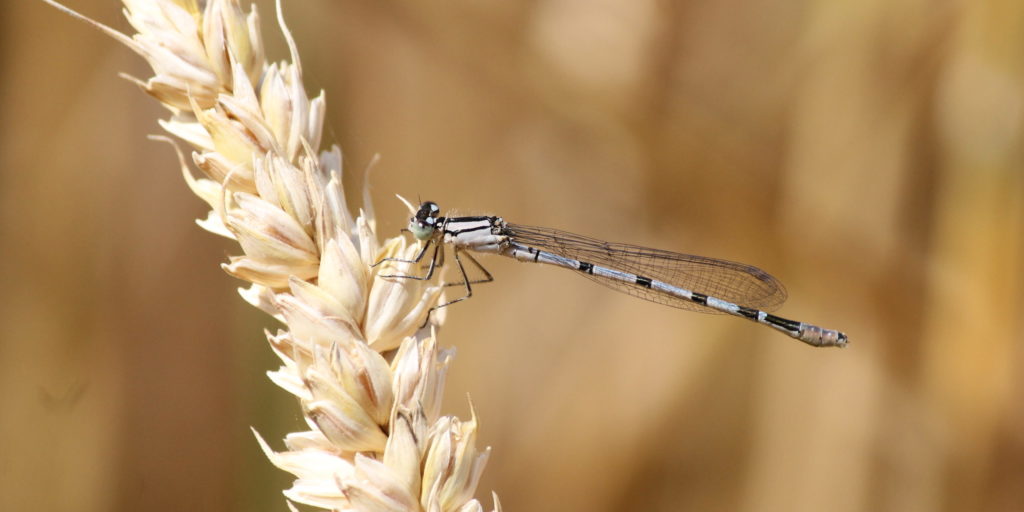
424	223
421	230
427	210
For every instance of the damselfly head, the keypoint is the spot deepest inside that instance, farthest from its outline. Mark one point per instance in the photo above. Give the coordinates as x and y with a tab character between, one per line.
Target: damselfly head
424	223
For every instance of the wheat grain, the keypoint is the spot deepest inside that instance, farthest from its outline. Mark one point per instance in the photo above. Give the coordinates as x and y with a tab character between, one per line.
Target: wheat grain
368	378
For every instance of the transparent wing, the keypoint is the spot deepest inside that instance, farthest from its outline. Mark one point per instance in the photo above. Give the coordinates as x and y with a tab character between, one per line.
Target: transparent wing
740	284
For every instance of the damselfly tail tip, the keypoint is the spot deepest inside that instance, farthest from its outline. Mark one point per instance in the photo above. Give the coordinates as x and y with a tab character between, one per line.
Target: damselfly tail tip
832	339
842	340
818	337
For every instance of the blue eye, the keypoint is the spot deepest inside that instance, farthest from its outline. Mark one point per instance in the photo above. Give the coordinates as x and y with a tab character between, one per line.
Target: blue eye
420	231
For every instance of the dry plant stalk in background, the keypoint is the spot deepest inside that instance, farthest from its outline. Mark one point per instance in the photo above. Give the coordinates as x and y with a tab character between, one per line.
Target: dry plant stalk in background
369	379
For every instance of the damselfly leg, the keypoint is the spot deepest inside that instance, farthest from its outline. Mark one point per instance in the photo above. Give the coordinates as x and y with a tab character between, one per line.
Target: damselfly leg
437	259
434	263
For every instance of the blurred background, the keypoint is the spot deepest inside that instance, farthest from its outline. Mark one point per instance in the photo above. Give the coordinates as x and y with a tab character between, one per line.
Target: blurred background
867	153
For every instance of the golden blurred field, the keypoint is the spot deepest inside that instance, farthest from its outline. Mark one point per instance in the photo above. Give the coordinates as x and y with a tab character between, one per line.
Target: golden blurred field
868	154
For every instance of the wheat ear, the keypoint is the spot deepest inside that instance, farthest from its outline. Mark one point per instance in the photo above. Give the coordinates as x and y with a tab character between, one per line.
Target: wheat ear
368	378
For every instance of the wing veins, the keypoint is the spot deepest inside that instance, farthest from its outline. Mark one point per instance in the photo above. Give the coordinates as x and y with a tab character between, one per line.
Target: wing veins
738	283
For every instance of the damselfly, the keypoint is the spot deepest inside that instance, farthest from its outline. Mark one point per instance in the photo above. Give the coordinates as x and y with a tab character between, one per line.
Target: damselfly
682	281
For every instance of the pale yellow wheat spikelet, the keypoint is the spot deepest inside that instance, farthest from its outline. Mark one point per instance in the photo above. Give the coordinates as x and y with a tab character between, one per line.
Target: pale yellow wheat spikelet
368	378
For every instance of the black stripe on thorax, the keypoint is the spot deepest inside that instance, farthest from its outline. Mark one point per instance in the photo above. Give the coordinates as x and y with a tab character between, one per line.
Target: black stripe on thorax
471	219
467	230
485	224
